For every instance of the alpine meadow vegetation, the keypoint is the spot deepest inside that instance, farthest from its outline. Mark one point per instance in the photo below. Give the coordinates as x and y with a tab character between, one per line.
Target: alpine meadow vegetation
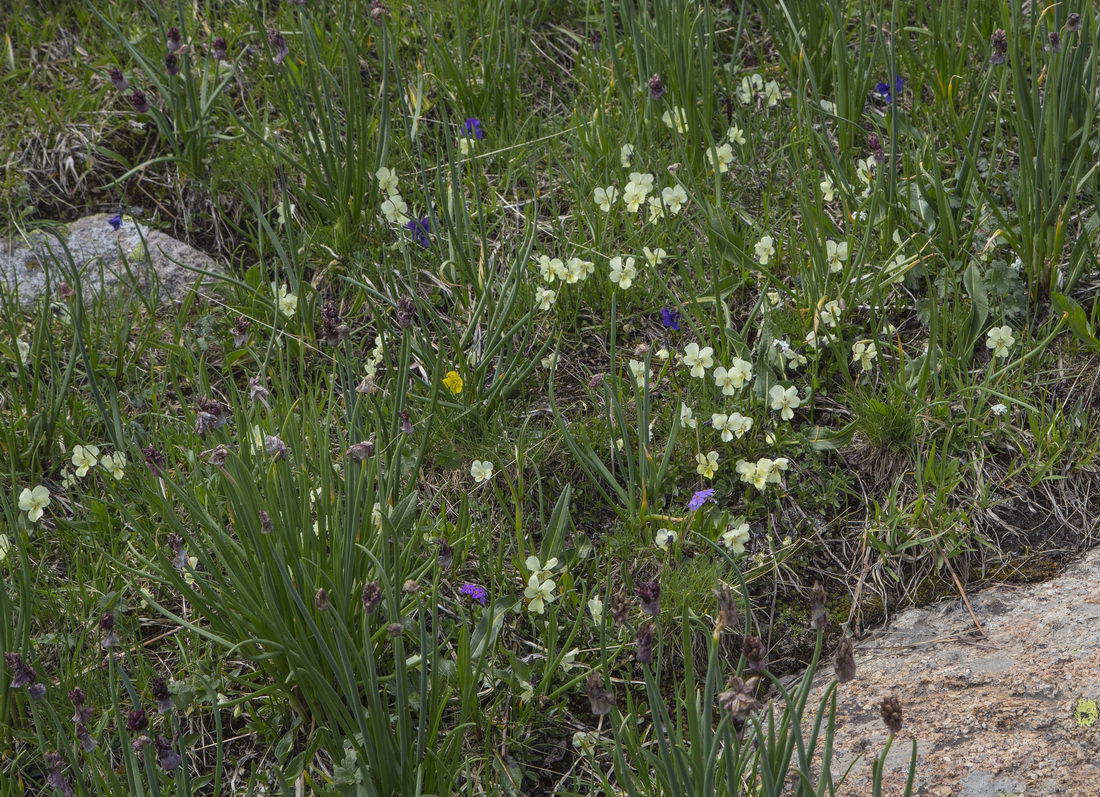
585	379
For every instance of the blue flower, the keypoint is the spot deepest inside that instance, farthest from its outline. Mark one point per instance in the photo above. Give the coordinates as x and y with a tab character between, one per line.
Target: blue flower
115	221
883	89
472	128
474	591
420	230
700	498
670	318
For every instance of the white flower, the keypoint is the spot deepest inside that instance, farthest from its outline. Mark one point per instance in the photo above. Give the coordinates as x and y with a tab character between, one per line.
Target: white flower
626	154
687	417
730	426
865	171
114	464
537	568
24	350
395	210
638	369
644	179
835	255
466	145
735	377
827	106
785	400
706	464
1000	340
762	472
549	361
552	268
795	358
68	480
864	353
5	546
828	190
623	271
481	470
33	501
665	538
595	608
765	248
720	158
654	256
999	409
698	360
539	593
674	198
771	93
577	270
830	313
84	459
634	195
736	536
545	298
676	119
662	354
656	208
749	84
735	135
287	301
605	197
387	181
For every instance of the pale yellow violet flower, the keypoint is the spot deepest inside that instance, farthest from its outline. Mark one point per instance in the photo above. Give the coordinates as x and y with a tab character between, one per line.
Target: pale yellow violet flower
864	353
395	210
539	593
830	313
828	189
114	464
707	464
33	501
545	298
698	360
664	538
623	271
605	197
674	198
595	608
286	301
537	568
771	93
785	400
736	536
720	158
687	417
731	425
552	268
578	270
638	369
835	255
764	248
1000	340
84	459
626	155
676	119
481	470
735	135
733	378
387	180
654	256
24	350
634	195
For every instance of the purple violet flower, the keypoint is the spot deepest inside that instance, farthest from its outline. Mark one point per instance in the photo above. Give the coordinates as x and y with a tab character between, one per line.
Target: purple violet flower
883	89
700	498
475	592
472	128
420	230
115	222
670	318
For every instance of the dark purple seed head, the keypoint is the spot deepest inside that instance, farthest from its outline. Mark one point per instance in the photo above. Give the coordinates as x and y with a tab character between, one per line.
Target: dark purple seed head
167	757
118	80
172	64
656	87
173	42
220	49
136	721
138	101
372	596
1073	22
649	594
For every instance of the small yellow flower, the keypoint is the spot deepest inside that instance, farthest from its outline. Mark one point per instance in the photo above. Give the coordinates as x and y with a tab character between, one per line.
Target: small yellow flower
453	382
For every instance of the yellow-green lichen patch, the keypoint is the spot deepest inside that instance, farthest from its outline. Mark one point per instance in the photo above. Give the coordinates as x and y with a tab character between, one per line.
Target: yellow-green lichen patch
1085	712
